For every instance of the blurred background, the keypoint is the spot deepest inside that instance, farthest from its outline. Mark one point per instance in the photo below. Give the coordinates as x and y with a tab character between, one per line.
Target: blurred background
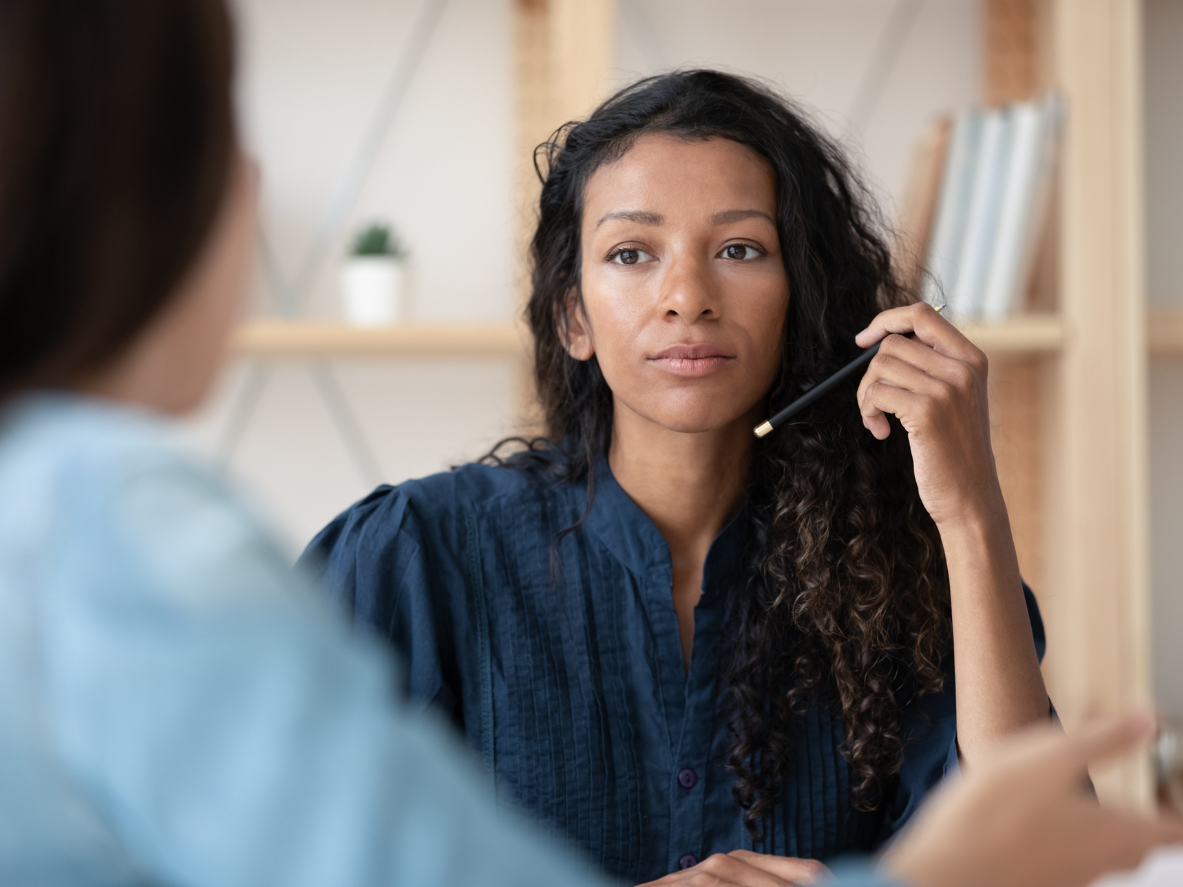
313	82
421	115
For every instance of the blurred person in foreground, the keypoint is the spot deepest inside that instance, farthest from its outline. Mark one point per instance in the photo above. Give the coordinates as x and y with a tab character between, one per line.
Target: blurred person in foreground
175	706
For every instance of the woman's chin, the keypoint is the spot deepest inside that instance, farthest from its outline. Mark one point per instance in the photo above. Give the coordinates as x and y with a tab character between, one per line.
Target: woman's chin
693	409
702	421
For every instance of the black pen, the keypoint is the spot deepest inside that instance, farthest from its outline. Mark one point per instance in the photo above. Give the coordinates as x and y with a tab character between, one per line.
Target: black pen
821	389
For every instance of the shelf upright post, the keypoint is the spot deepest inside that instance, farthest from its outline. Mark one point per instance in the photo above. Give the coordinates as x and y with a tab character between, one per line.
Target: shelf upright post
564	51
1015	51
1099	553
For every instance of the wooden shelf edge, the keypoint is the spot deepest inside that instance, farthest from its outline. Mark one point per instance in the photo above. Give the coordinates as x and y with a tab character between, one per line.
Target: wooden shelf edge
1032	334
323	340
1164	330
310	339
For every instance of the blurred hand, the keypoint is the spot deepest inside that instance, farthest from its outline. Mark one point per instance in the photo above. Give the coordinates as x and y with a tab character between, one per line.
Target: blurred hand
1022	817
742	868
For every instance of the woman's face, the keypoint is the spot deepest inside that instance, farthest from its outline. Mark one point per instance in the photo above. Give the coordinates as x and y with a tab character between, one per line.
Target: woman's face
684	290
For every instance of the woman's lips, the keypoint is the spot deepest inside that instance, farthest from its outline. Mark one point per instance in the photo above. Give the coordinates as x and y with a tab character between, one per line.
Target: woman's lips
691	360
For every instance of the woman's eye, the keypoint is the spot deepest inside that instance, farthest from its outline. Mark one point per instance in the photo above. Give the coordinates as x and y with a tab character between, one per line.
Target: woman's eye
630	256
740	251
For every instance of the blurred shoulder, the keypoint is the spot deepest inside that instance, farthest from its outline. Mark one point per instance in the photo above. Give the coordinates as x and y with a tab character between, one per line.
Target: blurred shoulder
69	451
117	491
473	487
53	427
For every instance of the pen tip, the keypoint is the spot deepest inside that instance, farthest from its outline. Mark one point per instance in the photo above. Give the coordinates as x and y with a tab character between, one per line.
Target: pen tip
763	428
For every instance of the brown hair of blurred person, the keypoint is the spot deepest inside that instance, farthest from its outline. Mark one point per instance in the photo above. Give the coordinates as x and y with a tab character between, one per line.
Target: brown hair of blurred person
117	145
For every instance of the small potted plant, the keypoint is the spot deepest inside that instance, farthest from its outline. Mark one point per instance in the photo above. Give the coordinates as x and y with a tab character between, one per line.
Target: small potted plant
372	278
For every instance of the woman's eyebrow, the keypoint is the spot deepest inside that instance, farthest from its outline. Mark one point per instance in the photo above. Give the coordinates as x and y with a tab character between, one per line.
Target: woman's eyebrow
738	215
633	215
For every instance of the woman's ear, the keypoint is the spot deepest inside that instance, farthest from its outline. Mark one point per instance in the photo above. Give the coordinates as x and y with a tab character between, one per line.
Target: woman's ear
574	330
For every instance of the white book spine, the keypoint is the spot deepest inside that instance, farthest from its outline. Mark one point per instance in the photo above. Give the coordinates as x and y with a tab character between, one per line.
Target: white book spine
1014	219
1053	113
982	220
949	227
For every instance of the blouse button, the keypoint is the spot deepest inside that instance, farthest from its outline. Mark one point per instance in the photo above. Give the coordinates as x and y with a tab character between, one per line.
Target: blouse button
687	861
687	779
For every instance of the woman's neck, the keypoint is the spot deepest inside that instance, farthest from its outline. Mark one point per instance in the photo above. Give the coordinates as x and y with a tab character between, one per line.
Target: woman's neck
690	486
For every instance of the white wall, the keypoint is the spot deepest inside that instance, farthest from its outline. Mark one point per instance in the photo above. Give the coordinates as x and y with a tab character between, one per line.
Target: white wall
1164	236
312	75
313	72
822	53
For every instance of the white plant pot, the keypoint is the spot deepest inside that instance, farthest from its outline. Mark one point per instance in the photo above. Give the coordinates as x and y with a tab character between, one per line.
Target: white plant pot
371	290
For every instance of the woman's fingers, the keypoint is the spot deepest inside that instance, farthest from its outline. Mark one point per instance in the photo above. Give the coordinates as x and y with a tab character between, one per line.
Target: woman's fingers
1113	840
929	327
734	869
1050	754
1100	739
1124	839
919	368
901	374
788	868
1051	758
879	397
940	366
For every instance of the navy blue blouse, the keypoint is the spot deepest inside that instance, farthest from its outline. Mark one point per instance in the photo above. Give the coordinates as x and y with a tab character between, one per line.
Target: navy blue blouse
574	692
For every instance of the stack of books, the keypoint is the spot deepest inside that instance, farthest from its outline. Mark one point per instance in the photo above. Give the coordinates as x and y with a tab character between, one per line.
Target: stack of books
977	206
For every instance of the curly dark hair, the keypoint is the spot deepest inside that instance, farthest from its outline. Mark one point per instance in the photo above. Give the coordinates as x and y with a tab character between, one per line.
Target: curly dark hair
844	597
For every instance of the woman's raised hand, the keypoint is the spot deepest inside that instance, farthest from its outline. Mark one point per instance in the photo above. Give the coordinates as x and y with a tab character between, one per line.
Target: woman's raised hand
743	868
1023	817
935	384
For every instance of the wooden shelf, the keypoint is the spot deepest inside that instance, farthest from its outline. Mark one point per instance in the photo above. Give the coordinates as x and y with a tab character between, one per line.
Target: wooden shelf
312	339
1164	330
1032	334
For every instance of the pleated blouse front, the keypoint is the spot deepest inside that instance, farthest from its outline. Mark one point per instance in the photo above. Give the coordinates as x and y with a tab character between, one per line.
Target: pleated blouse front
570	685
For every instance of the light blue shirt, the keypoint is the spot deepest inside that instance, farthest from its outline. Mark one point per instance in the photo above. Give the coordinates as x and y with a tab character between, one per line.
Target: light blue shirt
176	707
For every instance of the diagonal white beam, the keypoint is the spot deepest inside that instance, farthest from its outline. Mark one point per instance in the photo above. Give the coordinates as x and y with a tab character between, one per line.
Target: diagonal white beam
343	200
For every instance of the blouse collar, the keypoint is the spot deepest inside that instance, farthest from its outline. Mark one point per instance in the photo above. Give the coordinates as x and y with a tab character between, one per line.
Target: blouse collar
626	531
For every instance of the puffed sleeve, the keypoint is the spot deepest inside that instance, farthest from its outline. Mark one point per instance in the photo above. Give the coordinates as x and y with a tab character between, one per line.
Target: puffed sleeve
229	726
930	745
377	561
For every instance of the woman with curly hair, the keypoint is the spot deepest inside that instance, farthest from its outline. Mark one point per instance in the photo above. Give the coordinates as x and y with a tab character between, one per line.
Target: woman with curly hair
666	638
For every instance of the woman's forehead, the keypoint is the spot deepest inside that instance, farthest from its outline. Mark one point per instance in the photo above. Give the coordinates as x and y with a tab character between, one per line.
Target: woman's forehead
663	170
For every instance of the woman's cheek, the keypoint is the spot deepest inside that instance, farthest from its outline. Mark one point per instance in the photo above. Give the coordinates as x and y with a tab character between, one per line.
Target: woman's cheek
766	324
614	318
618	371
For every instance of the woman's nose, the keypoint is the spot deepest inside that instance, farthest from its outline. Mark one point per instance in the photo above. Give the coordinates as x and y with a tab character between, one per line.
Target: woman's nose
687	291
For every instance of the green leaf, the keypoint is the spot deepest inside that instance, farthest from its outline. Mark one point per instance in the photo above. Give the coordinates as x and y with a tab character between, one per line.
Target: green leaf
378	240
